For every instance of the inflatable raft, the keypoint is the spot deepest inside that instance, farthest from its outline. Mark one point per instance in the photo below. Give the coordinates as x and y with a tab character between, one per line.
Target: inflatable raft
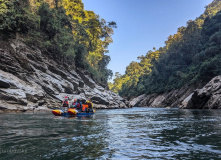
72	112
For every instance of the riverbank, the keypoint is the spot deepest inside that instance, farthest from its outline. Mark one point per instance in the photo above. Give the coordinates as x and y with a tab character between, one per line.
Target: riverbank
201	96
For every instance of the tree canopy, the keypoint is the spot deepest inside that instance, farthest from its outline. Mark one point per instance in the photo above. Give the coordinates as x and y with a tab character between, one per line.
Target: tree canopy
192	55
61	27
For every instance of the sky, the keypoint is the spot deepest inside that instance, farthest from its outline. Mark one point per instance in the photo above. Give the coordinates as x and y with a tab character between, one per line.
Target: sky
142	24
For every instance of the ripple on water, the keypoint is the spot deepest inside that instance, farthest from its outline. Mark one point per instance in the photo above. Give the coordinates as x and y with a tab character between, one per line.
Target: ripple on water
137	133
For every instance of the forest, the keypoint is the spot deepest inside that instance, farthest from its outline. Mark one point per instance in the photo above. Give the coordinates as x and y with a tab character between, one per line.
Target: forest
61	27
189	57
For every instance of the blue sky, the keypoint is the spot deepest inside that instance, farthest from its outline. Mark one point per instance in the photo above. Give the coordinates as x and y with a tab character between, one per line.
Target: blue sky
142	24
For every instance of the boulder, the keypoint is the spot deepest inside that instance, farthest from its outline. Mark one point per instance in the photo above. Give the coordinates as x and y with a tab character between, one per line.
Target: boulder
158	101
187	103
135	102
122	105
209	97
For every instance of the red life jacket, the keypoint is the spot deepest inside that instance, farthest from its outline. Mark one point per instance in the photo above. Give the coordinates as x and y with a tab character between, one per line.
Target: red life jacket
65	103
78	105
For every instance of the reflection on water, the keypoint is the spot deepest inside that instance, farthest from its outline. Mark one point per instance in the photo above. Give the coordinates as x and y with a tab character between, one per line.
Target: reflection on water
137	133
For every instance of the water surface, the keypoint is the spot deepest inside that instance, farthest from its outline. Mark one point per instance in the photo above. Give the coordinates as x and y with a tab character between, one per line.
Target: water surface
137	133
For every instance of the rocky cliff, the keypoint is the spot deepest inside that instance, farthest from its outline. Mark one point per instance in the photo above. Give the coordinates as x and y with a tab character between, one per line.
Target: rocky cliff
168	99
209	97
188	97
31	79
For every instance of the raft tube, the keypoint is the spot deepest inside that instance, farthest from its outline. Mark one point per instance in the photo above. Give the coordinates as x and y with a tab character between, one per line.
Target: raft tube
71	112
58	112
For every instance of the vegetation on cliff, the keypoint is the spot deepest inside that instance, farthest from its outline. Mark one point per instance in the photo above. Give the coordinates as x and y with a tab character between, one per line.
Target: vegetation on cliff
192	55
61	27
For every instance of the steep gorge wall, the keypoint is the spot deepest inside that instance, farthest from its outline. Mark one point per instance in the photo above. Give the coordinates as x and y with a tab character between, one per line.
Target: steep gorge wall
31	79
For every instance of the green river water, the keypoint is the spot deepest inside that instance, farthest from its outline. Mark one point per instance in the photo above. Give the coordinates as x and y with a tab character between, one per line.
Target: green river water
136	133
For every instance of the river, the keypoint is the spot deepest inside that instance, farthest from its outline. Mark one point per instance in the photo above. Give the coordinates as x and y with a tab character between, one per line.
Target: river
136	133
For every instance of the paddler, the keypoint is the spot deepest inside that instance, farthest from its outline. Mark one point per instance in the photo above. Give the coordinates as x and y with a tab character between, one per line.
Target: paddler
77	105
65	103
90	105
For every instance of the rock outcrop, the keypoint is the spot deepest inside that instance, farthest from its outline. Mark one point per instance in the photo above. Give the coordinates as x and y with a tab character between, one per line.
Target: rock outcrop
209	97
31	79
187	97
167	99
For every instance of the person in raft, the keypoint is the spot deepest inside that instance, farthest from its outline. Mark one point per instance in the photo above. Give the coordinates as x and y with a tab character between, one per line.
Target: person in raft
90	106
80	102
65	103
77	105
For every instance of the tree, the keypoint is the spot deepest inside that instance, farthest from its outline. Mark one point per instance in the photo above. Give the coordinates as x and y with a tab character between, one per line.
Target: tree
190	56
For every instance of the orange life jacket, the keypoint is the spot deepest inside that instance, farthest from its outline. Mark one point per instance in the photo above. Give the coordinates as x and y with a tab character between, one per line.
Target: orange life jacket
84	107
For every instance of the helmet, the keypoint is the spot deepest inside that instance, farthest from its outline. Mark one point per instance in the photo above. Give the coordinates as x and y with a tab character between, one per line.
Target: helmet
87	101
66	97
75	100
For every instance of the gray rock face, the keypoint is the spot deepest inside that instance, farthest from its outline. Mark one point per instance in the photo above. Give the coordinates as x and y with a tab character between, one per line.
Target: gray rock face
173	98
209	97
33	80
134	102
187	102
187	97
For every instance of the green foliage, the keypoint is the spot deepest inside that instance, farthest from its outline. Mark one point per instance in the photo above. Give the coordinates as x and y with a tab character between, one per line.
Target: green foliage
48	25
15	17
126	84
193	55
61	27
